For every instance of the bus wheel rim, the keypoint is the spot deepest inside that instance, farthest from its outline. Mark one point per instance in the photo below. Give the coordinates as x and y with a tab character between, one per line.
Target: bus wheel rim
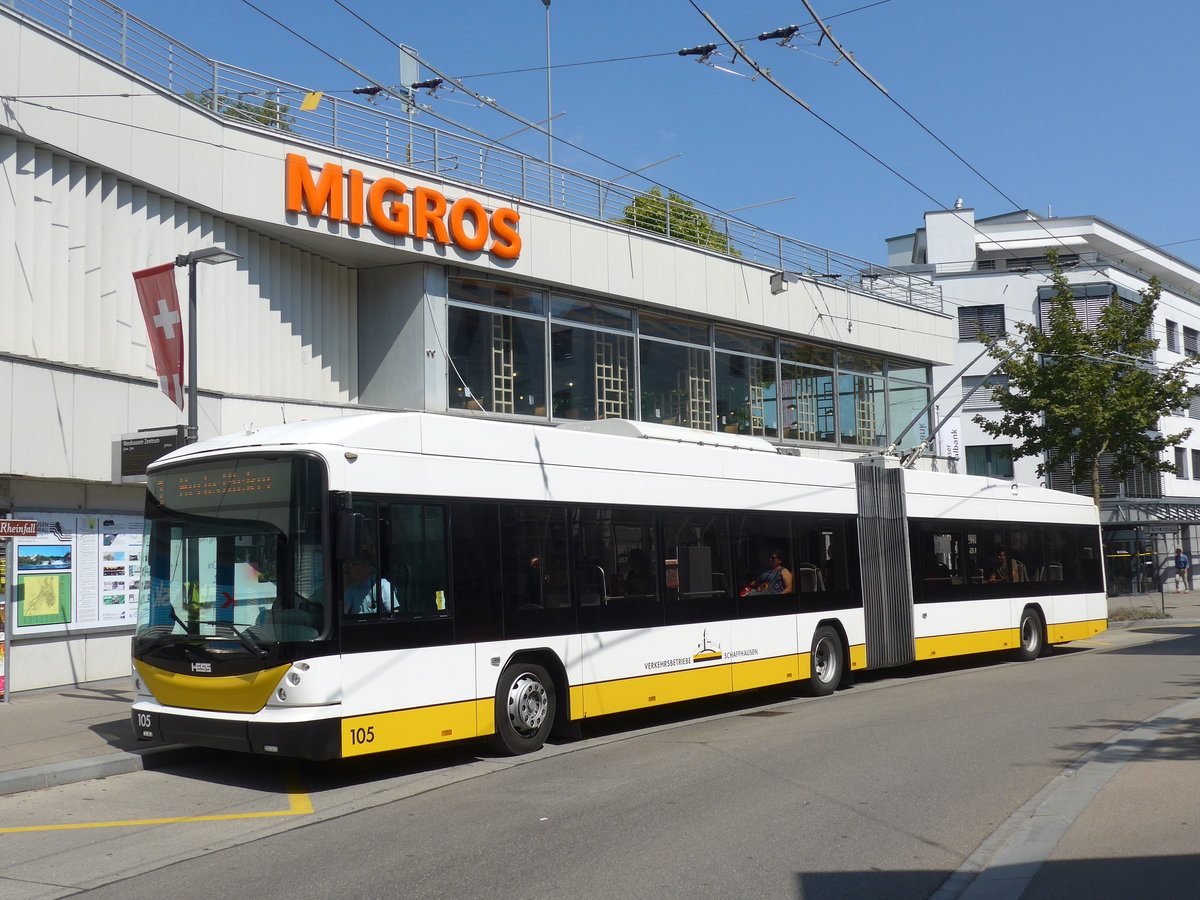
1029	633
824	660
527	704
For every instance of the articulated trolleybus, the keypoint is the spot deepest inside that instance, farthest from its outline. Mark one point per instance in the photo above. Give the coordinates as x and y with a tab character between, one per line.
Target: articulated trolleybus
368	583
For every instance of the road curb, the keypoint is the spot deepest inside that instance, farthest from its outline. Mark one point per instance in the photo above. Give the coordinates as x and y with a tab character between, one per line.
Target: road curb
122	762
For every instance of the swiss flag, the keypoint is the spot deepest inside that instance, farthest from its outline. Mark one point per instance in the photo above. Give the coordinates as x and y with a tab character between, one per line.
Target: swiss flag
160	308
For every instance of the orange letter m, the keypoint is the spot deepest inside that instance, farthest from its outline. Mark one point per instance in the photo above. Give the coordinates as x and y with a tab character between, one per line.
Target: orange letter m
322	197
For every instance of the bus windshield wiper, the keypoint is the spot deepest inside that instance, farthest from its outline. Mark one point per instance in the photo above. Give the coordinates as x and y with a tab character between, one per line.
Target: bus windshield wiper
246	641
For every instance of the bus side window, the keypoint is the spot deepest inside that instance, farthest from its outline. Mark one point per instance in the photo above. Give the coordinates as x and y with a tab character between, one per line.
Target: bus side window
416	559
534	575
696	547
359	586
475	562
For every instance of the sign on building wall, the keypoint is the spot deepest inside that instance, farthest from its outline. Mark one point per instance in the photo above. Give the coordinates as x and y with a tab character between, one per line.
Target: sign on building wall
132	453
79	571
948	439
413	212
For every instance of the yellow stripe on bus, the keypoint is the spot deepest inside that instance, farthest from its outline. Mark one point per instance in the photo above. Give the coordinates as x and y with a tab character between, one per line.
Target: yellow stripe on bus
763	672
646	691
962	644
1002	639
1076	631
402	728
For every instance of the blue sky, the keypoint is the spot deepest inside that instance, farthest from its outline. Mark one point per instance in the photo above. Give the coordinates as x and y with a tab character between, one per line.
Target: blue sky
1076	106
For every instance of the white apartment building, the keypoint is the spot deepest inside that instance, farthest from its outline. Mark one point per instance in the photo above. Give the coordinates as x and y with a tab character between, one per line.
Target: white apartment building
994	272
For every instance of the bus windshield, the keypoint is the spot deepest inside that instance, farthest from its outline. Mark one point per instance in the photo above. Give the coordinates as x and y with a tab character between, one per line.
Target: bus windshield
233	552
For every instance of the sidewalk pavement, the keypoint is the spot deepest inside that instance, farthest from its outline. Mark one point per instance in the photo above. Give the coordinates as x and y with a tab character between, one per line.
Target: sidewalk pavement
64	735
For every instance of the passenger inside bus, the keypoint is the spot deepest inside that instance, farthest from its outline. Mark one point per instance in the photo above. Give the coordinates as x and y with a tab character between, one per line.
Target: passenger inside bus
361	597
776	578
1007	569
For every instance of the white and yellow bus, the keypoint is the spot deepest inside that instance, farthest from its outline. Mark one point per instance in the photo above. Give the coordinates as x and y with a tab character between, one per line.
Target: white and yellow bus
368	583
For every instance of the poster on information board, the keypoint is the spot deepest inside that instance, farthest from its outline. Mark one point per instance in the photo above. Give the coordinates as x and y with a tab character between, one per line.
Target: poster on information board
80	571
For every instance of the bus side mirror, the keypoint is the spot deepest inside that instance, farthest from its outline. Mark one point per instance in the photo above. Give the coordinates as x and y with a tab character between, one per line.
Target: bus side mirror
350	529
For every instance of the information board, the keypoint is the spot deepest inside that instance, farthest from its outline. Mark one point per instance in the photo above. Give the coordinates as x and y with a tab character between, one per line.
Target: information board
80	570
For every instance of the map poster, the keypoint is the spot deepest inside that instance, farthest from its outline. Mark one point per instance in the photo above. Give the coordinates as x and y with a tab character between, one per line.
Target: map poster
44	599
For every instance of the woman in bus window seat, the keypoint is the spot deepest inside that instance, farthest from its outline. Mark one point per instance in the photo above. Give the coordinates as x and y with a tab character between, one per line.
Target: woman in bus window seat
776	579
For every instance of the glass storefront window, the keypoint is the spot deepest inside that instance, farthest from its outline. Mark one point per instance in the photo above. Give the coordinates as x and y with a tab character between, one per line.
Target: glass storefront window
904	402
806	404
854	362
744	342
591	373
686	331
499	362
746	395
504	296
908	371
591	312
822	395
808	354
676	385
861	410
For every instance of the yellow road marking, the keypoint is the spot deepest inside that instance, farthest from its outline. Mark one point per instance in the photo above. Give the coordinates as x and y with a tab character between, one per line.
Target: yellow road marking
299	804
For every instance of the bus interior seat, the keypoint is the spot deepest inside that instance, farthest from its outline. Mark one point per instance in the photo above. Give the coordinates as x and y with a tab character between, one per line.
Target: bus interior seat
809	578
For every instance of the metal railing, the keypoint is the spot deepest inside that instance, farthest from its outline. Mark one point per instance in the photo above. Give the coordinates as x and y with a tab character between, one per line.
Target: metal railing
260	101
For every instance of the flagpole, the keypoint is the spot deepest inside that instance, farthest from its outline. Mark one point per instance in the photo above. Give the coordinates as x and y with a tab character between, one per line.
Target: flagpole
193	426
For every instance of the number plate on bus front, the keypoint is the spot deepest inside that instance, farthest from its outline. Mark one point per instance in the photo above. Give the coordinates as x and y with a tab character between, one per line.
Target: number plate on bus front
145	725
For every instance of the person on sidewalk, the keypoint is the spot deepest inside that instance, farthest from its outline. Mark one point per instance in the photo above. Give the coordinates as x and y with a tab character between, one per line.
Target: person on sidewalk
1182	564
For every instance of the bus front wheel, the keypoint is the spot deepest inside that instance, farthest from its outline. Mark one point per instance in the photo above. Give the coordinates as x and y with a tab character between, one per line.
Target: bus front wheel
525	707
826	662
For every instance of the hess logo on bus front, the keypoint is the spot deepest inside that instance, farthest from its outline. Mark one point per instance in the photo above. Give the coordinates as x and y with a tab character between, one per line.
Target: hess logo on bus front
422	213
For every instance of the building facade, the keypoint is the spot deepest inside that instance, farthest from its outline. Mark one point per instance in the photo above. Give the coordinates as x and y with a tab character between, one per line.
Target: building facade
384	265
994	272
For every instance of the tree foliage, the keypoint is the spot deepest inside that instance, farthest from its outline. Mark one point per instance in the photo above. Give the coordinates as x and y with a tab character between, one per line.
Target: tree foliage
270	112
676	217
1078	394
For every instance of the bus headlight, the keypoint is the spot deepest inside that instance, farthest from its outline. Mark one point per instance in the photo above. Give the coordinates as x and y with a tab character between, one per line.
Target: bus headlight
281	694
293	676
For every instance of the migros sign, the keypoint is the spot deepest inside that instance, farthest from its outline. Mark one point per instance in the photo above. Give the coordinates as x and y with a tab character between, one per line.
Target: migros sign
391	206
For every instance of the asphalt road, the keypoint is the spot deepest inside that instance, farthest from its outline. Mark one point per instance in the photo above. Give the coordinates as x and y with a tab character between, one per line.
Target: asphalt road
884	789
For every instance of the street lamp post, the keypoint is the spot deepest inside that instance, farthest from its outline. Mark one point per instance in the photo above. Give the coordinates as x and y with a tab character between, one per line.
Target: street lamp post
549	111
212	256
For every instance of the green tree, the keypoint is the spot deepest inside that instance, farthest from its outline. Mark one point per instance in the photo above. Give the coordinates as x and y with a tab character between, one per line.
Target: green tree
269	112
674	216
1078	394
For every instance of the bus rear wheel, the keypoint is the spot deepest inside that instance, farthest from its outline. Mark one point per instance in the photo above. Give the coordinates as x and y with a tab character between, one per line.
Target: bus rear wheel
525	708
827	664
1032	635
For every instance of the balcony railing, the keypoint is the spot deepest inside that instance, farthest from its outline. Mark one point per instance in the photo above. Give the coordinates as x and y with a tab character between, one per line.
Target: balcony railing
264	102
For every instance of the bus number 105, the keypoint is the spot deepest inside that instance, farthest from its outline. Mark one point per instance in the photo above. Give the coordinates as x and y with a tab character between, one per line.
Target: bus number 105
362	735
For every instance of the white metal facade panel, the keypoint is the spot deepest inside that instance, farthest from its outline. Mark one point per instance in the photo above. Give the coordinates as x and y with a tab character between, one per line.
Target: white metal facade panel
283	332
